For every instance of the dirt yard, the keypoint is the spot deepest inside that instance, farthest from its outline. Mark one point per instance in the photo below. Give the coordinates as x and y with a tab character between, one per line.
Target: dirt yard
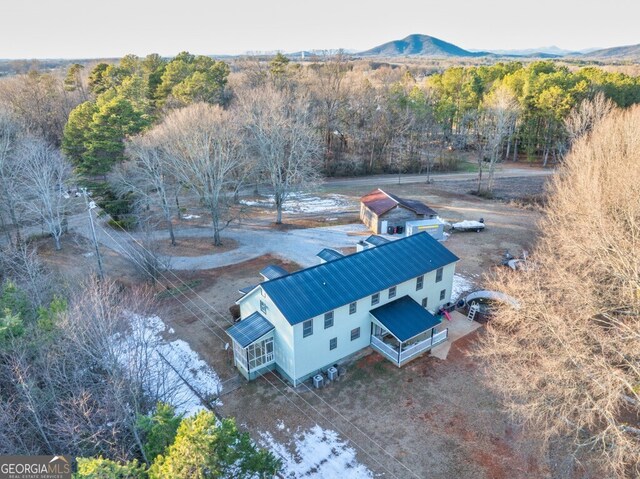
199	312
436	417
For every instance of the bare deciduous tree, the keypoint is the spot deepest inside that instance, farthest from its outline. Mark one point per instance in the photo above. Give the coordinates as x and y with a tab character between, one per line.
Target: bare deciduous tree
586	116
23	266
9	171
567	360
44	175
148	176
496	121
280	137
202	145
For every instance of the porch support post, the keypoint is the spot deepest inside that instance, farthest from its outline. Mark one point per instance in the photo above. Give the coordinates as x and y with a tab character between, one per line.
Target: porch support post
399	352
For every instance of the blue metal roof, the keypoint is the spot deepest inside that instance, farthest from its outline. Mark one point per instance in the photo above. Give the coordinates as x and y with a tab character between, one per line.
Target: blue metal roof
327	286
273	271
247	289
250	329
376	240
405	318
329	254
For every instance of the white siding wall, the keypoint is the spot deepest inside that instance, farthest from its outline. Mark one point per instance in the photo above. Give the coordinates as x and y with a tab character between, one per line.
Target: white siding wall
283	334
312	352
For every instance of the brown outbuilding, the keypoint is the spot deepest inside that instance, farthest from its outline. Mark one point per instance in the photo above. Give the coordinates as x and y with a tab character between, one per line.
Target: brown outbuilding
384	213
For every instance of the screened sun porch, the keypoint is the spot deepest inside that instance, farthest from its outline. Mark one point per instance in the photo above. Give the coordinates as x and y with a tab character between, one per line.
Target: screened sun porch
253	345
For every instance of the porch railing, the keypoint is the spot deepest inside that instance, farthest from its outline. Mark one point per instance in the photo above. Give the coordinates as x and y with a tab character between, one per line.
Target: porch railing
383	348
422	346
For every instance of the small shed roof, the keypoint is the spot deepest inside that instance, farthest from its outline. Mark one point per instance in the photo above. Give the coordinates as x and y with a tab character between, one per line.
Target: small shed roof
376	240
316	290
247	289
273	271
404	318
250	329
329	254
380	202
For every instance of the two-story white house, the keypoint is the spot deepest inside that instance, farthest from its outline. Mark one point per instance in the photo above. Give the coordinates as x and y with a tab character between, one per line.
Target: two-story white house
385	297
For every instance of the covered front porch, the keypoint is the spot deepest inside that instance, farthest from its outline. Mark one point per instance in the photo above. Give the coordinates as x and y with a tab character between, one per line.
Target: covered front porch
253	345
403	330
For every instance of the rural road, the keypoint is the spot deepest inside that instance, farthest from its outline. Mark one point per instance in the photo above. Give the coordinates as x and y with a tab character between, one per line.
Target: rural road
507	172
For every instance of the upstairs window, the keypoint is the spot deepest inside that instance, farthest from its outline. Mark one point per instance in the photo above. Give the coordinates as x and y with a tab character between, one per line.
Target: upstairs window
355	334
333	343
353	307
419	282
307	328
392	292
328	320
263	307
375	299
443	293
424	302
438	275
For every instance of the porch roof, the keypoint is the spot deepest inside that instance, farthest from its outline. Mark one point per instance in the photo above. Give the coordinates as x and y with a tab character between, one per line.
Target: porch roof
250	329
404	318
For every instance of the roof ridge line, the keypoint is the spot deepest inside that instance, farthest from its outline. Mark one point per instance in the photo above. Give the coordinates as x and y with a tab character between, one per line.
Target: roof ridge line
340	259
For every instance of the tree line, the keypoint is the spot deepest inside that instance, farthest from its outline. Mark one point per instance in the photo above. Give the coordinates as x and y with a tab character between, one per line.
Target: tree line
565	359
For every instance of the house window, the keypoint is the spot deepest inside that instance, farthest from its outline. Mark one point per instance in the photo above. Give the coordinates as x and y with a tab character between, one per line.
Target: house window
443	293
263	307
375	299
333	343
355	334
424	302
307	328
328	320
260	354
392	292
352	307
438	275
419	282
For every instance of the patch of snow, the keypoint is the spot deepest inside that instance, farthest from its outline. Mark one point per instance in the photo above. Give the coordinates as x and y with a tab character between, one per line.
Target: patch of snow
165	365
280	425
88	254
331	219
305	203
190	217
460	286
316	452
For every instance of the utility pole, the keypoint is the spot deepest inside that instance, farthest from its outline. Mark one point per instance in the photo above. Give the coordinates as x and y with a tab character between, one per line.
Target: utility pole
91	205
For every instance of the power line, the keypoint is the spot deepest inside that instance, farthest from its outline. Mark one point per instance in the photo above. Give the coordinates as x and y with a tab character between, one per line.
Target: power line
124	249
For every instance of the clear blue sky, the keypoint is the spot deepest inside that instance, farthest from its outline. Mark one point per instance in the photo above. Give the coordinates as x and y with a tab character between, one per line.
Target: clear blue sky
112	28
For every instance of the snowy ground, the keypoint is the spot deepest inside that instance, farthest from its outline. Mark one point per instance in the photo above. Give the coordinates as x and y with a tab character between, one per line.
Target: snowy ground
306	203
317	453
164	366
460	286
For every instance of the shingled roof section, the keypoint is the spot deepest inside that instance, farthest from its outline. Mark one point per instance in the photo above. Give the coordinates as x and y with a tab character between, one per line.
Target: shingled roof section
325	287
380	202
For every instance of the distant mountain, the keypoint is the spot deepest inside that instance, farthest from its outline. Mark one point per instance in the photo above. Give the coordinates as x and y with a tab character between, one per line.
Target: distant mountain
420	45
551	51
629	52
